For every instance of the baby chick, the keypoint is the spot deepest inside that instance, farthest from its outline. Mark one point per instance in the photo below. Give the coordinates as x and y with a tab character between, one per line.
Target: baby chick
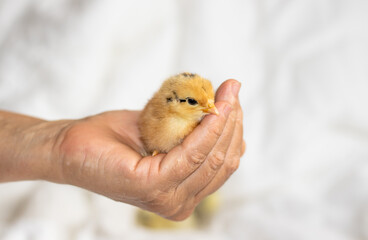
174	111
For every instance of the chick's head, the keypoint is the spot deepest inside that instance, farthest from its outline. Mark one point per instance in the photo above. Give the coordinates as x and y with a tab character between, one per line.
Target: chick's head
188	96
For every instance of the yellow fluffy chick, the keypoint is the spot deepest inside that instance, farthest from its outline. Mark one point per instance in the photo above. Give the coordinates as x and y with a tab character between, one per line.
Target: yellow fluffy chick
174	111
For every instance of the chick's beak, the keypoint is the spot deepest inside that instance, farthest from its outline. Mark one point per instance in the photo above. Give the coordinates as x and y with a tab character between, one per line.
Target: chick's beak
211	108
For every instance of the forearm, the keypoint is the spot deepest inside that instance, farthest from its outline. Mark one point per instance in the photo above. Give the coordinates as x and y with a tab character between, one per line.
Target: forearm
26	145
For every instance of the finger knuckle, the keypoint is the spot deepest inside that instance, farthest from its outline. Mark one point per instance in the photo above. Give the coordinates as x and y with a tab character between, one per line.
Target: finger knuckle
196	157
216	131
234	165
217	160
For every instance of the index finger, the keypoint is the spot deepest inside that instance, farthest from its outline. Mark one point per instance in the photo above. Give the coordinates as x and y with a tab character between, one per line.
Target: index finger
184	159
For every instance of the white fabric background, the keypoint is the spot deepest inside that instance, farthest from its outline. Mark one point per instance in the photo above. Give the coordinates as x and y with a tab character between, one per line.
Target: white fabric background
304	69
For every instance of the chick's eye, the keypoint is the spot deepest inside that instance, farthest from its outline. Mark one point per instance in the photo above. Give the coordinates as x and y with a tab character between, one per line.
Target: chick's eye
192	101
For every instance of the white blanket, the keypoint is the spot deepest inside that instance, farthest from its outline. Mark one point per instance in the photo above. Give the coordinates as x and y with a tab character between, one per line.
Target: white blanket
303	65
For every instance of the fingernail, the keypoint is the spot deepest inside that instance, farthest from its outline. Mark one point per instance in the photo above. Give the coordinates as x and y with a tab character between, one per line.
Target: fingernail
235	88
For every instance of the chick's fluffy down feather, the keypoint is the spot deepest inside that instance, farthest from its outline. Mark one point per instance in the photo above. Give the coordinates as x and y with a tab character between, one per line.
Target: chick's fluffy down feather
174	111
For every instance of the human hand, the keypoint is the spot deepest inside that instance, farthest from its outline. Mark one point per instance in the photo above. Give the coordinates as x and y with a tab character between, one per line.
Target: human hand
102	154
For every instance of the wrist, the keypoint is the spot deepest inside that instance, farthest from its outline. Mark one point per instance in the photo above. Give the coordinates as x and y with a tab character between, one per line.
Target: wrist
26	148
45	154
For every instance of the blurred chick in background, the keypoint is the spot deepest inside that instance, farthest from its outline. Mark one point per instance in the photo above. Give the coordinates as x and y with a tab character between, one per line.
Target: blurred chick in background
172	113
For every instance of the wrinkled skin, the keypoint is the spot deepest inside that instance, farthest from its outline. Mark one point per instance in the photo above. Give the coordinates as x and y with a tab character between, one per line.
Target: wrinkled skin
101	153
